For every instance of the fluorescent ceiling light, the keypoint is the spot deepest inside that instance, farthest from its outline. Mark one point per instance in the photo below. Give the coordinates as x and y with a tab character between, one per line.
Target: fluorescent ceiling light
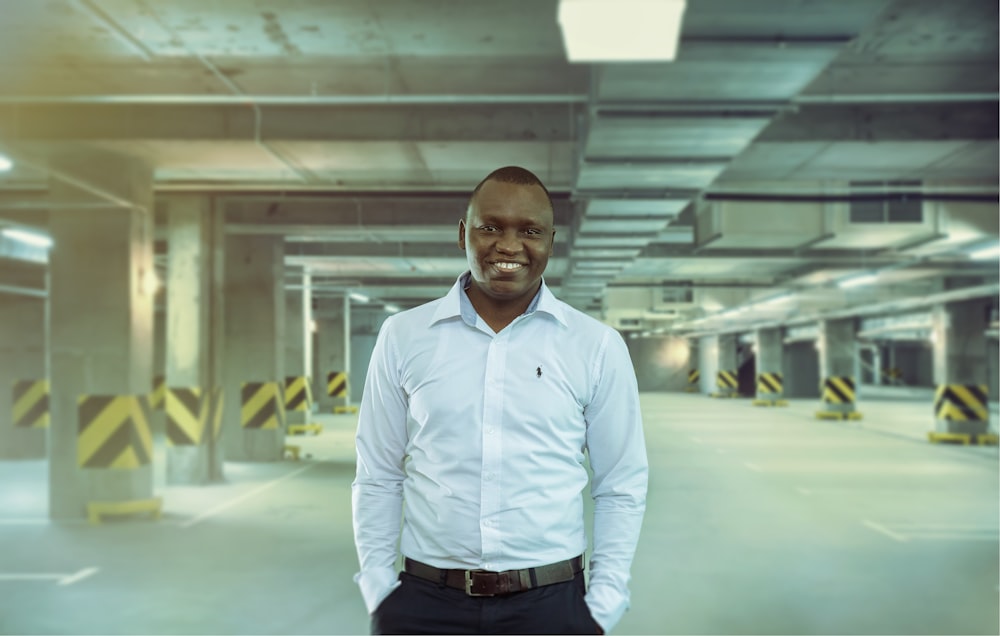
985	253
392	308
30	238
5	164
361	298
621	30
857	281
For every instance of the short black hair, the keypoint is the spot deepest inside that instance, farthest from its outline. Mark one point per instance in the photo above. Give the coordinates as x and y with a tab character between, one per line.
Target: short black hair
516	175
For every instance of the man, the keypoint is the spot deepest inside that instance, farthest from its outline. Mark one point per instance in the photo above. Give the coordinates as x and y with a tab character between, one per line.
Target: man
477	412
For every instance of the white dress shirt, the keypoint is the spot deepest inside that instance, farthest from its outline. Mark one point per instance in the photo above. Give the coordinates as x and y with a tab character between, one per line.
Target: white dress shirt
481	437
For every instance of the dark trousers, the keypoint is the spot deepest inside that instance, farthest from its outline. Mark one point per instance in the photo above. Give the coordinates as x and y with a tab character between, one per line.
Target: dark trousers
419	606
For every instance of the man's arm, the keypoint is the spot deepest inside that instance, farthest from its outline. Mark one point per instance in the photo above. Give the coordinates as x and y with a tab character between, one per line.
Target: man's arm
618	460
377	491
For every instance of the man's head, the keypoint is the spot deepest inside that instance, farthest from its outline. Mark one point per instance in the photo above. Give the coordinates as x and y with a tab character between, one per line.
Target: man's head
508	234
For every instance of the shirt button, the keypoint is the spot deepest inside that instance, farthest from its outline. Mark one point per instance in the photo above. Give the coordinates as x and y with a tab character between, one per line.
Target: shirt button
489	430
490	476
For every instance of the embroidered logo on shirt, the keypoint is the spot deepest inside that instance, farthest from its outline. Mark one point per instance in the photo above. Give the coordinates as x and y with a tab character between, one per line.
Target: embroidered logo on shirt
538	371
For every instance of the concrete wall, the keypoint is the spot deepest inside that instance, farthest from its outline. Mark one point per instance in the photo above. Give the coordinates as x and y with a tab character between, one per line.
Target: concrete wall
661	363
800	362
916	361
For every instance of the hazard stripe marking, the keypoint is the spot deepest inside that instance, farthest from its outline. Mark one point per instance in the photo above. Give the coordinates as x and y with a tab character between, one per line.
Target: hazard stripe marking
31	404
336	384
185	416
962	402
839	390
261	407
769	383
114	431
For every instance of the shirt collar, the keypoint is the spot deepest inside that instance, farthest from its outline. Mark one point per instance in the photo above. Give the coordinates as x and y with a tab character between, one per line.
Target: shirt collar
457	304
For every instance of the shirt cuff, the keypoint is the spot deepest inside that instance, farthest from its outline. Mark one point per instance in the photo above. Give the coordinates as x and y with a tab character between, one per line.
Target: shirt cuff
376	585
607	605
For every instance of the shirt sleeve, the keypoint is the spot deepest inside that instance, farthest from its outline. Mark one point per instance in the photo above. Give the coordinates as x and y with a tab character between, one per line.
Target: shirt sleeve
620	475
377	491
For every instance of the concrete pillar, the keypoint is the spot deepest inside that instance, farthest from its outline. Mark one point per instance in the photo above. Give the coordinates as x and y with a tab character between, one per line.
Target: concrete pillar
297	343
101	335
194	351
24	395
770	373
254	413
331	353
838	369
694	366
727	367
961	404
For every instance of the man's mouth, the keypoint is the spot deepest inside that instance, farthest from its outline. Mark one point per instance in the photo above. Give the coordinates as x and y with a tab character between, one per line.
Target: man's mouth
505	266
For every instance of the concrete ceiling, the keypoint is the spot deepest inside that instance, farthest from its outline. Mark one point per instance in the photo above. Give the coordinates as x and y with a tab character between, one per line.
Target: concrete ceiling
356	129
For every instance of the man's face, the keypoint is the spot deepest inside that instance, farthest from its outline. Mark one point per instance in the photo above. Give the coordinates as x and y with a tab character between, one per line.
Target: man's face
507	237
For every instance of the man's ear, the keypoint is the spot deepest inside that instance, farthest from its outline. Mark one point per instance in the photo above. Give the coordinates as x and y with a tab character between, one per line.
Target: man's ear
552	243
461	235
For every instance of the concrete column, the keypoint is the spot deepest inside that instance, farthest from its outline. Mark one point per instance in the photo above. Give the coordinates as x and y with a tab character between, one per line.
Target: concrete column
194	352
770	374
24	396
838	368
297	344
255	349
331	354
961	367
101	335
727	367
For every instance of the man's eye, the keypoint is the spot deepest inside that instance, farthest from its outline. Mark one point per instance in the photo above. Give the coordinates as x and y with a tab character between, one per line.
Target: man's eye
488	228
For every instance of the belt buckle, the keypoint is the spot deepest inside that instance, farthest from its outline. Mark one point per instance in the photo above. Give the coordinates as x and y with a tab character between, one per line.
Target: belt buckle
469	581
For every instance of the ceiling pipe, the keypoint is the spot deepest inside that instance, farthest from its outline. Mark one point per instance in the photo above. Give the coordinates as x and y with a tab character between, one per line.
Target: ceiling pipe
122	34
891	306
296	100
901	98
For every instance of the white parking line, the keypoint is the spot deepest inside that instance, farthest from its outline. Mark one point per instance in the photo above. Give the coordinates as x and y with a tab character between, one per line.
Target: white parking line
60	579
229	504
877	527
79	576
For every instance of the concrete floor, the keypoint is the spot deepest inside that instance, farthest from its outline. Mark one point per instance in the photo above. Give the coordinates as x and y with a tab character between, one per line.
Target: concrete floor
760	521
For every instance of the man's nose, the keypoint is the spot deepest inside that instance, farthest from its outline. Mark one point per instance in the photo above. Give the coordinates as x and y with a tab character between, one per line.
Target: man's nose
509	243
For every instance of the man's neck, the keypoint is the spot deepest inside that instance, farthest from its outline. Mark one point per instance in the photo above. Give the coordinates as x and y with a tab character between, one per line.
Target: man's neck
498	313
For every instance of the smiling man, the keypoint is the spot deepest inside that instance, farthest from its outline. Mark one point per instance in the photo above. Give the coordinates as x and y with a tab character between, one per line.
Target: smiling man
479	413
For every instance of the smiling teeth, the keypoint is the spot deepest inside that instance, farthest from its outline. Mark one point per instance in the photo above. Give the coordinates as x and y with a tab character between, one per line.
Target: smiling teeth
508	265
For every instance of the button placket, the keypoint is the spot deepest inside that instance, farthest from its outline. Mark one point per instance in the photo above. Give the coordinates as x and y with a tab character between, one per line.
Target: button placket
493	403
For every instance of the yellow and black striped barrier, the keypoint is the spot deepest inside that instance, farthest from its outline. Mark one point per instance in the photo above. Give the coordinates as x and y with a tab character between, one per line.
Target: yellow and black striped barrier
693	377
31	404
839	399
727	383
336	384
298	394
113	431
962	403
158	398
770	389
186	416
262	406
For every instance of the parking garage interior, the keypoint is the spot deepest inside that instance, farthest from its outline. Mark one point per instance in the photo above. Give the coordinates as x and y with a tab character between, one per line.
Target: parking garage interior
208	209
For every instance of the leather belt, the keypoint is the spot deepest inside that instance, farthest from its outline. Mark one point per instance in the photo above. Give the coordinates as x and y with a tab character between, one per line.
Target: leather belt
486	583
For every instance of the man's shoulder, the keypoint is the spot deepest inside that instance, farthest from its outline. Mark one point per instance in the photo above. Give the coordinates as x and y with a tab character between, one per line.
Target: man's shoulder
414	318
581	322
